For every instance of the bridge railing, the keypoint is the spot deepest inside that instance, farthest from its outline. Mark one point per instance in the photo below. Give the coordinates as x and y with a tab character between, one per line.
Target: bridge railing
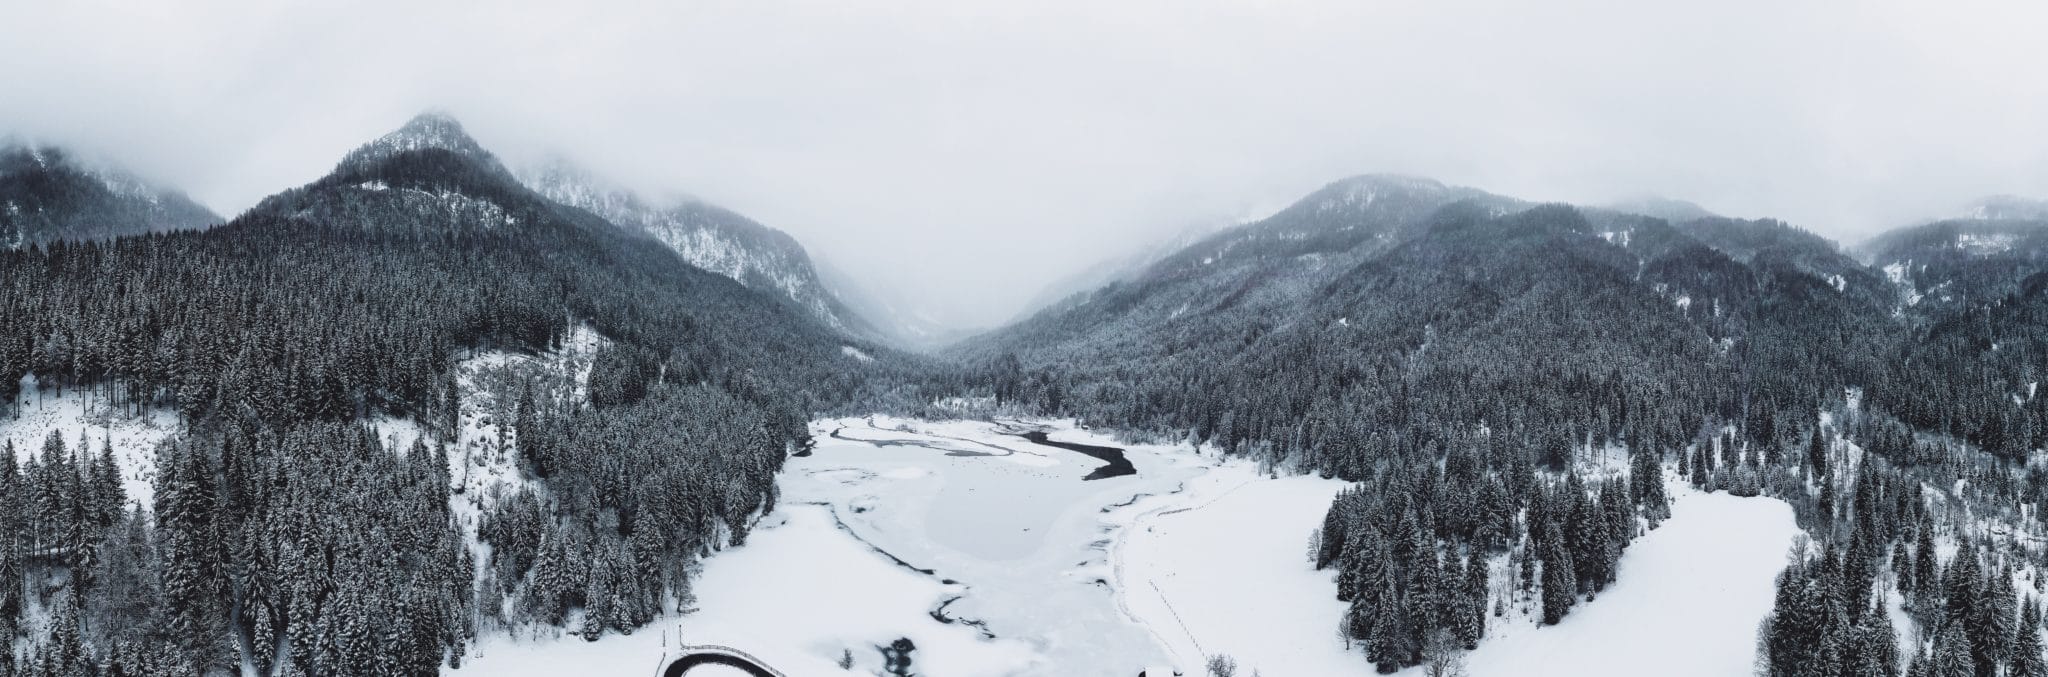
679	653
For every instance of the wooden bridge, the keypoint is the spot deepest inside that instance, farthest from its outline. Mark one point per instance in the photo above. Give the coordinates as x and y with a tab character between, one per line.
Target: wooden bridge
688	657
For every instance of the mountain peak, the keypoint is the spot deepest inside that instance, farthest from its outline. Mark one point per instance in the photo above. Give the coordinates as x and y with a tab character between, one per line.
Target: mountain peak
1389	180
1658	206
1366	188
431	130
1378	192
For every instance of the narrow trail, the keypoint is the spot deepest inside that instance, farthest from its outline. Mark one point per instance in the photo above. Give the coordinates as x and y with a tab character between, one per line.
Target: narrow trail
1122	587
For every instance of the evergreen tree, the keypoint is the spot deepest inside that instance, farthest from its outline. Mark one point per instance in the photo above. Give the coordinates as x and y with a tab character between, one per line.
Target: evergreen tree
1560	587
2027	658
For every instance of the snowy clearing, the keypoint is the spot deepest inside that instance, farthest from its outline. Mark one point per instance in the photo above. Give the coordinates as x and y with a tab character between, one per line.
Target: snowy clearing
1686	601
1222	568
89	413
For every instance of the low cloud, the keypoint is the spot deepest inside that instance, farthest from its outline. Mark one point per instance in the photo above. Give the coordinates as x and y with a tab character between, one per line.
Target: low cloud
959	156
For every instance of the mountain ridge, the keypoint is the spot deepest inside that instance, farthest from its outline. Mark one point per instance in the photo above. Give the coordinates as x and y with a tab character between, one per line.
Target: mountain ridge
47	194
709	237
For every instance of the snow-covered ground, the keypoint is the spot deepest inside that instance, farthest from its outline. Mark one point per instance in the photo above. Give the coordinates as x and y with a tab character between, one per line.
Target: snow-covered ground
1685	602
1223	568
797	594
1012	522
993	556
89	413
483	459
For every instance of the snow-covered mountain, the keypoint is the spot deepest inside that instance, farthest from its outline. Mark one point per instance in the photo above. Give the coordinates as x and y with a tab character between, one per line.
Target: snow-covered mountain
432	130
426	178
2007	208
1958	264
430	182
1264	269
46	194
1657	206
707	236
1116	269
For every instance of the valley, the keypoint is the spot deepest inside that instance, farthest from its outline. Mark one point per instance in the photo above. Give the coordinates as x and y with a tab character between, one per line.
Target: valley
995	557
428	415
992	553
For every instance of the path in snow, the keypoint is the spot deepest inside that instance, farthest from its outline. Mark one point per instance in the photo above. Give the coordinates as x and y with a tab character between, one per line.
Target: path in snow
1222	568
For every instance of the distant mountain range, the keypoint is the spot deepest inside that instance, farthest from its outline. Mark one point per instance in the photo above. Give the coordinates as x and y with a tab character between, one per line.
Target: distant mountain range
1477	364
1388	269
47	194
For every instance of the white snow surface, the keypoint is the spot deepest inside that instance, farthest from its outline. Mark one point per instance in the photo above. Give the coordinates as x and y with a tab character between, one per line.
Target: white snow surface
1900	273
1222	568
483	459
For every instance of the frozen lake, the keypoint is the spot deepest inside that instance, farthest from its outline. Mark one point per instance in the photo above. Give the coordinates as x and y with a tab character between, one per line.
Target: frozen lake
1019	525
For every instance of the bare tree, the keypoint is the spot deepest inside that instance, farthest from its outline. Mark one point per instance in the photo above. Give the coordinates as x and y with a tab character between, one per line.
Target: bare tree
1222	666
1442	656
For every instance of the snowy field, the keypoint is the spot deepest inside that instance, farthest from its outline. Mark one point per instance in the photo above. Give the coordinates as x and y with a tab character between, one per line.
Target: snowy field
1210	573
1685	603
1222	568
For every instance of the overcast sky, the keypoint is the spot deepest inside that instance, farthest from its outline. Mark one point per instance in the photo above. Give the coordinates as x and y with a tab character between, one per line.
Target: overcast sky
959	156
